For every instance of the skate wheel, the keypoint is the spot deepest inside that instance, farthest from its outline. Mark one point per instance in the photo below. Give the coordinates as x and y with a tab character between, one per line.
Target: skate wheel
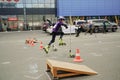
60	44
64	43
48	70
45	50
55	49
72	56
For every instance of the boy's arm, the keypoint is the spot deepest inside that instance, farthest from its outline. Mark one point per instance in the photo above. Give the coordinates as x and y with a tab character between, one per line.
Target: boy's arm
65	25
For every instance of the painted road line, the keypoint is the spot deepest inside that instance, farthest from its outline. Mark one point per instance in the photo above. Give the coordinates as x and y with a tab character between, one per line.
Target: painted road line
96	54
7	62
48	76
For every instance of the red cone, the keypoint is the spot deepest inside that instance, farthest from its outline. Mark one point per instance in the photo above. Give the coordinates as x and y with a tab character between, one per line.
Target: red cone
41	45
77	57
32	43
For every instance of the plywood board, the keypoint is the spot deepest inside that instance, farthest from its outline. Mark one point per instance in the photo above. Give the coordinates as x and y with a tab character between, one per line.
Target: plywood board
73	69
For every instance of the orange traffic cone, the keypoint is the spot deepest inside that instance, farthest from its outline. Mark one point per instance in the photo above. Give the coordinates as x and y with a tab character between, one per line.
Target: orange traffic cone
77	57
32	43
41	46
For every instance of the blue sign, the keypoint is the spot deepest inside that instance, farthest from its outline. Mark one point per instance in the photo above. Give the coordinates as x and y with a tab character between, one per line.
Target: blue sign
88	7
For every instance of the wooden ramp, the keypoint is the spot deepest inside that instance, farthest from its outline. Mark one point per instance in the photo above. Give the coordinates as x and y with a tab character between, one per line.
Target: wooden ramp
61	69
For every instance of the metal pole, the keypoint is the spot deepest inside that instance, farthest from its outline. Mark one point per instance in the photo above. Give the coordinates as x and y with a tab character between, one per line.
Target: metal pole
116	20
25	14
70	32
70	51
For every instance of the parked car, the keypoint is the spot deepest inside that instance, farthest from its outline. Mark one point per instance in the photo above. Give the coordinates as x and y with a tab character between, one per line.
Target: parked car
79	23
98	25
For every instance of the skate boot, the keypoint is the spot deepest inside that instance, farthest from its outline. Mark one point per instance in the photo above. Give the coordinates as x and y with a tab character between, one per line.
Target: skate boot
46	49
54	48
71	55
61	42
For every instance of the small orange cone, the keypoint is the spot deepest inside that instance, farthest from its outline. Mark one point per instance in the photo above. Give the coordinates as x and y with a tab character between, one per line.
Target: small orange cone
41	46
77	57
32	43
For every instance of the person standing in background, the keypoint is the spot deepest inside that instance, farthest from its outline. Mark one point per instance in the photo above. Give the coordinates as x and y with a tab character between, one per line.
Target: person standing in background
0	26
5	26
90	28
104	27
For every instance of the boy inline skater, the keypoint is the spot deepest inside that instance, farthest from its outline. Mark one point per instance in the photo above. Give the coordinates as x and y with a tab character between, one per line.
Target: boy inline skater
57	27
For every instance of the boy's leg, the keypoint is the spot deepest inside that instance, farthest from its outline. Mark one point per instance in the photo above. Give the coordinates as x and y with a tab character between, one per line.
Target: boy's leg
87	31
61	35
60	40
91	31
78	32
52	41
54	47
53	38
82	29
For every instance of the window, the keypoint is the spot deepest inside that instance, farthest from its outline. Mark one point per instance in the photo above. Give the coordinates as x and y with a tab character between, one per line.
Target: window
34	1
47	1
8	5
47	5
20	17
19	5
20	1
41	1
36	17
41	5
52	5
35	5
28	5
29	17
53	1
29	1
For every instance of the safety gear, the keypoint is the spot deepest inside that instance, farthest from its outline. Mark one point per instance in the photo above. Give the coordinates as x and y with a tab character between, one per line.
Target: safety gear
54	47
46	49
61	17
61	42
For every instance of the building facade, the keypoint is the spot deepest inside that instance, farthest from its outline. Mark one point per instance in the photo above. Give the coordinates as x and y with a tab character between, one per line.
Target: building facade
86	9
19	13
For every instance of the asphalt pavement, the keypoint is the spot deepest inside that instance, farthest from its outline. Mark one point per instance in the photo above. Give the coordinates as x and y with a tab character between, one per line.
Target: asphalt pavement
18	61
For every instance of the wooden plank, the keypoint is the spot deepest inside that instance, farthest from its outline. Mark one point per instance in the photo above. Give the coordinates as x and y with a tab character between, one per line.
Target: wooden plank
70	66
70	69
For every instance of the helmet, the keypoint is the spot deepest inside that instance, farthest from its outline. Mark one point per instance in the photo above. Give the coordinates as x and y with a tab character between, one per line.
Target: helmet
61	17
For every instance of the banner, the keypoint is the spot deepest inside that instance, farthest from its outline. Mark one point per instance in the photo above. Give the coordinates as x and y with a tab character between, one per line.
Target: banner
9	1
88	7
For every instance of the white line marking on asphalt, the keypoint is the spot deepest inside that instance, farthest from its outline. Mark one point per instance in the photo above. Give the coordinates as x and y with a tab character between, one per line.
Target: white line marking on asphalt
33	68
48	76
25	47
53	57
19	31
30	59
31	77
96	54
117	46
6	62
99	41
12	41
